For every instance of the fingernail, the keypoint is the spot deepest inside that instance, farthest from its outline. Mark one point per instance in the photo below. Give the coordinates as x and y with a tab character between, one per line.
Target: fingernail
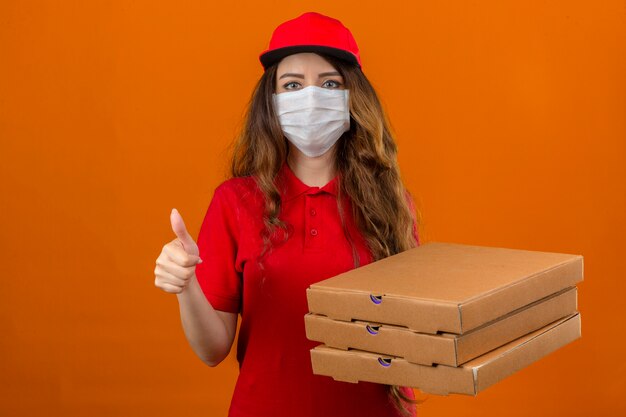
200	261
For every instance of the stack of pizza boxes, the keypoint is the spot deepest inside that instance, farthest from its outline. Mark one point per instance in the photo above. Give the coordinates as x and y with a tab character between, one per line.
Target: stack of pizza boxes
444	317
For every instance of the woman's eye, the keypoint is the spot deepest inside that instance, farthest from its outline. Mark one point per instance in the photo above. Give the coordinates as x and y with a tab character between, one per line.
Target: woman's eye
289	83
333	83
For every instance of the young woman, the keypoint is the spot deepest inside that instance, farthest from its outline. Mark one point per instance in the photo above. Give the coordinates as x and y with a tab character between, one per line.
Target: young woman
315	191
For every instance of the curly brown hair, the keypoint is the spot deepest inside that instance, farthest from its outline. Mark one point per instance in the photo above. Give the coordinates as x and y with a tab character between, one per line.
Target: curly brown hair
366	159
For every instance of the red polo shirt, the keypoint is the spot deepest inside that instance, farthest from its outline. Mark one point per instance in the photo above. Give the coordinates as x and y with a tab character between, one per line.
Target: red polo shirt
276	378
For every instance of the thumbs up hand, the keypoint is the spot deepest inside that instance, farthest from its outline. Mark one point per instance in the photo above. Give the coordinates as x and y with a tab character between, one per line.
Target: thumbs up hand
176	264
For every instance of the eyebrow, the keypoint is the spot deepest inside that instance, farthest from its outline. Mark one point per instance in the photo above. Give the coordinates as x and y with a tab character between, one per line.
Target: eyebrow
322	74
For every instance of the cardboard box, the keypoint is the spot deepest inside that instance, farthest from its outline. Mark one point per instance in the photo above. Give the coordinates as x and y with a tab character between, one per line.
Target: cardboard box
444	287
447	348
470	378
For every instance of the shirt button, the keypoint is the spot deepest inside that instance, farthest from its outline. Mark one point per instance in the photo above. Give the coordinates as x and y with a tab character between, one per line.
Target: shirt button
314	232
313	212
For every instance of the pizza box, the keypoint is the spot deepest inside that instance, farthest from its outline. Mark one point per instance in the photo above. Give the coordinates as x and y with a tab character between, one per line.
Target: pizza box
444	287
468	379
446	348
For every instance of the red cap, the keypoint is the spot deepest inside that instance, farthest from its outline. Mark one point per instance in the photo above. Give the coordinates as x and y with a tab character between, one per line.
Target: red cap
311	32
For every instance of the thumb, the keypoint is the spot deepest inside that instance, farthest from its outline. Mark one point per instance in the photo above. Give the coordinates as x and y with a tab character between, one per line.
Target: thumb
178	226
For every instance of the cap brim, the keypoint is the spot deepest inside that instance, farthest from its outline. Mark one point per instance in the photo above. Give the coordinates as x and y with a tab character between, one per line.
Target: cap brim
268	58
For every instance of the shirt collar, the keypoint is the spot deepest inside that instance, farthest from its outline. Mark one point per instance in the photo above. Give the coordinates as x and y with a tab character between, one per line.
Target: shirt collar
293	186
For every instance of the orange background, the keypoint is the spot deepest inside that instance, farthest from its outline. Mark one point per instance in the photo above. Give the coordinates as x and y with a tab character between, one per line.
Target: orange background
511	124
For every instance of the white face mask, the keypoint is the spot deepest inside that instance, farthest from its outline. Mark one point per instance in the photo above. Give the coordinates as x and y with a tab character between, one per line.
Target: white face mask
313	118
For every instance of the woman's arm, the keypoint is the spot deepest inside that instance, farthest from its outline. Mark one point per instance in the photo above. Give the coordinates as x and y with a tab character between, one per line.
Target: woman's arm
210	332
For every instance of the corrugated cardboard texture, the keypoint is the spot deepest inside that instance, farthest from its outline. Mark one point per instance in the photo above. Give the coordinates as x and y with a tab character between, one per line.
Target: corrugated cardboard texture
446	349
444	287
469	379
